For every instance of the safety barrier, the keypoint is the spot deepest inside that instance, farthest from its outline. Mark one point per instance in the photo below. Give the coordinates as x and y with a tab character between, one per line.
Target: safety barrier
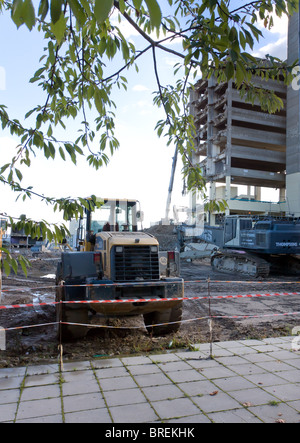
145	300
208	297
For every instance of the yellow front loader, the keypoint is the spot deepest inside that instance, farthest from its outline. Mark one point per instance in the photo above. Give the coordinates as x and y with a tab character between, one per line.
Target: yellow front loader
115	261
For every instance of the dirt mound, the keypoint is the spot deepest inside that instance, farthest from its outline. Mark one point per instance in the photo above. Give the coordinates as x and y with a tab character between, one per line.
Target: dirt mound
166	236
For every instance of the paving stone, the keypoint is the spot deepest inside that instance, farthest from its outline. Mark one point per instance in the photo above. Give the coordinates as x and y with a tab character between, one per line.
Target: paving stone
76	366
12	372
133	361
244	350
8	412
217	372
216	403
234	416
274	366
256	358
284	355
271	414
78	376
248	369
202	363
160	358
114	384
255	396
80	387
106	363
231	361
218	352
152	380
174	366
228	344
10	383
295	405
155	393
294	363
9	396
266	348
265	379
199	418
285	392
175	408
124	397
83	402
42	379
49	419
42	369
144	369
233	383
292	376
250	342
188	375
39	408
275	340
139	413
39	392
91	416
119	371
198	388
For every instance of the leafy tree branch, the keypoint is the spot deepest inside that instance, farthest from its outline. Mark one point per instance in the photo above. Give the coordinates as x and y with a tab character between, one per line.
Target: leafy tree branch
84	38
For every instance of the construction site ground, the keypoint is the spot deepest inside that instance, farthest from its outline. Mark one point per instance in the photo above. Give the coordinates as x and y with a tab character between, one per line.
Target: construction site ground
31	346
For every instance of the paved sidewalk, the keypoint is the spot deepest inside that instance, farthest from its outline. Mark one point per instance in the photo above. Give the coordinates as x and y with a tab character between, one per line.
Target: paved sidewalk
247	381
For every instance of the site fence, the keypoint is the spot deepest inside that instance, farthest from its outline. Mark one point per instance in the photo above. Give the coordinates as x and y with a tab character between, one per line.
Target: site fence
210	298
205	284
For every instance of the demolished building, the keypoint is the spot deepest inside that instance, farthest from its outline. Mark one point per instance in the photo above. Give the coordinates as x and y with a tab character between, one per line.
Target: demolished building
238	144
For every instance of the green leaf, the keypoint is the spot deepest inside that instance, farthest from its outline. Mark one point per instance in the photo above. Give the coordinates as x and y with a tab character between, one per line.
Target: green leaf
62	154
6	267
55	10
43	9
155	12
137	4
17	12
19	174
59	28
28	14
102	9
78	11
98	101
229	71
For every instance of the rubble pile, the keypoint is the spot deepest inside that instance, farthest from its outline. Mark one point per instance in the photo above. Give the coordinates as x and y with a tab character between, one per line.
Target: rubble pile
166	236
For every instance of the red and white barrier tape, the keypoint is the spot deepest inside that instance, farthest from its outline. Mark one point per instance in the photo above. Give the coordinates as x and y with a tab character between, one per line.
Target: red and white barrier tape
212	317
141	284
149	300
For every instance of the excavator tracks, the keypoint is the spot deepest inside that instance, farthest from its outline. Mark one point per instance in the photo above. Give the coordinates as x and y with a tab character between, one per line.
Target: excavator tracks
240	262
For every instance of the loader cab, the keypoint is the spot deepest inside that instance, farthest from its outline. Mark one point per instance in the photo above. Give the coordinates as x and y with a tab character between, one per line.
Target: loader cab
114	215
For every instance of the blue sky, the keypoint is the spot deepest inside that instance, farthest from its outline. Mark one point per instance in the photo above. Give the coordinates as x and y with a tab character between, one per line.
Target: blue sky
140	169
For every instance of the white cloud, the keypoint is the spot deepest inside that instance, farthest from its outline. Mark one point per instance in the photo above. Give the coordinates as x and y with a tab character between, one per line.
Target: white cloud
276	49
276	38
280	25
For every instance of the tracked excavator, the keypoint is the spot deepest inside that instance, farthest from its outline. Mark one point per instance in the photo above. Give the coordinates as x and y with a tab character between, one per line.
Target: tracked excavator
253	245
